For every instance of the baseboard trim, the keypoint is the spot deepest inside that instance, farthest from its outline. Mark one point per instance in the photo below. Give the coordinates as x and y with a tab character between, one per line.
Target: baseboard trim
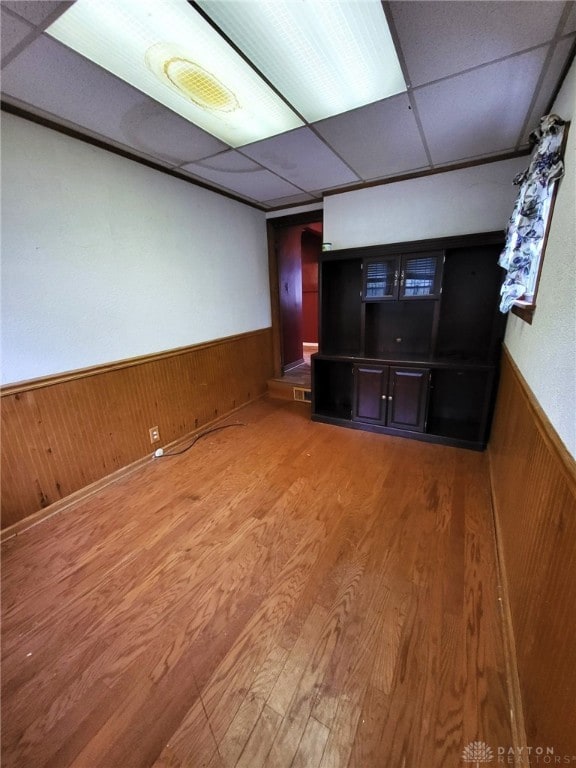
74	498
517	724
90	490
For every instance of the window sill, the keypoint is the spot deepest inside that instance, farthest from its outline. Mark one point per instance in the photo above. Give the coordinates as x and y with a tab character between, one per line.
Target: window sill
524	310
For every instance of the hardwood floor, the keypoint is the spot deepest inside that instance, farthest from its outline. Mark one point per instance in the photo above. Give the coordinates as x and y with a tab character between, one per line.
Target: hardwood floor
285	593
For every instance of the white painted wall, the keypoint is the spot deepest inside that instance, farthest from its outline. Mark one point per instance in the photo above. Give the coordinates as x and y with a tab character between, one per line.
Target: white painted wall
545	351
478	199
105	259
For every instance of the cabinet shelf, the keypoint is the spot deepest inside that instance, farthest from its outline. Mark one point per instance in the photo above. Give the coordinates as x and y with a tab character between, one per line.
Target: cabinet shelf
340	308
332	386
400	327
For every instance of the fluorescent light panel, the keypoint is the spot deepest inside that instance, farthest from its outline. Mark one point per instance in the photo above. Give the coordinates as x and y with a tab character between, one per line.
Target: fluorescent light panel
325	56
168	51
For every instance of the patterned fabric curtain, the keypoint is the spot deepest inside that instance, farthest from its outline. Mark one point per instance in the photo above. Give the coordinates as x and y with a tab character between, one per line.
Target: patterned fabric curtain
527	225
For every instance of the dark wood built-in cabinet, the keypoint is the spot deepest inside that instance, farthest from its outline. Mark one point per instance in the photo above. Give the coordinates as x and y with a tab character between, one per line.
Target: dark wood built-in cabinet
410	338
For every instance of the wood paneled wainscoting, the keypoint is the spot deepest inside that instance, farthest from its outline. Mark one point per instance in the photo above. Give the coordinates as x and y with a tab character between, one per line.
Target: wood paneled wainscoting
62	433
534	493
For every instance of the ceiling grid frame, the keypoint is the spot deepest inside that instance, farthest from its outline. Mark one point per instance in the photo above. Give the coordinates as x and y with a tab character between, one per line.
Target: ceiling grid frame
46	85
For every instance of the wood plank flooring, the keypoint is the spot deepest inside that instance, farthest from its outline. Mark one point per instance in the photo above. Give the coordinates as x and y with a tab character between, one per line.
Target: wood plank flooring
284	594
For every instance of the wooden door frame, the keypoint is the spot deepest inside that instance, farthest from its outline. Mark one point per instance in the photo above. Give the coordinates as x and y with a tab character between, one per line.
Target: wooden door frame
272	226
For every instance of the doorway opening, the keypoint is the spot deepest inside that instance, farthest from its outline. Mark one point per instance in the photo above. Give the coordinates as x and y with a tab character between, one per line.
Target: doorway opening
295	246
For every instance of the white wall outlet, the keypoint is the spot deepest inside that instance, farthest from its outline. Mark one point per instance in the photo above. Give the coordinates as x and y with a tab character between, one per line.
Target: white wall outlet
154	434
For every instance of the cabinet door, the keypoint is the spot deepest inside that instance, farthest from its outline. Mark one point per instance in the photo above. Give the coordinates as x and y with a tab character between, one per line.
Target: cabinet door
408	388
412	276
421	275
370	393
381	278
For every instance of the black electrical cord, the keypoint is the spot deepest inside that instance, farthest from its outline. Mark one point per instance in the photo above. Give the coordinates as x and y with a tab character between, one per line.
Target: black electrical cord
198	437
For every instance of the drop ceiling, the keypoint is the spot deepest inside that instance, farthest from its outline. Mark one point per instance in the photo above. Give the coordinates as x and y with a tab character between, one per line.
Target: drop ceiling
479	76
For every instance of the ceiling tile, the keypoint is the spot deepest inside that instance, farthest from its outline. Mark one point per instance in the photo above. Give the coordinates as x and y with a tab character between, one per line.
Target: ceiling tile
55	79
467	104
14	30
302	158
378	140
239	174
472	33
151	127
481	112
570	23
37	12
553	73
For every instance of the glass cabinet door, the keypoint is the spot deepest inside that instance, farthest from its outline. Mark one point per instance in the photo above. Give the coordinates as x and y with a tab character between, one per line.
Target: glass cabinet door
411	276
381	278
420	275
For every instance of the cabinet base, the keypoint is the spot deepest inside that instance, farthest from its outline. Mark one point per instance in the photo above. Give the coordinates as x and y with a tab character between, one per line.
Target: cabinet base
455	442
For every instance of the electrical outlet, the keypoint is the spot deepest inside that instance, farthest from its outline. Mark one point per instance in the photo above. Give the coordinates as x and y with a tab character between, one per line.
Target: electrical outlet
154	434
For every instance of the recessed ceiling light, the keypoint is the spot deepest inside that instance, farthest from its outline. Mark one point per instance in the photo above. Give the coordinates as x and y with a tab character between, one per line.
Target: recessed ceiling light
324	56
167	50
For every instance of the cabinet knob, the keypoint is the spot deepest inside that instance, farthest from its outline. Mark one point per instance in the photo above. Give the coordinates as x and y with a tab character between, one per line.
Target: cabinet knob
390	398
